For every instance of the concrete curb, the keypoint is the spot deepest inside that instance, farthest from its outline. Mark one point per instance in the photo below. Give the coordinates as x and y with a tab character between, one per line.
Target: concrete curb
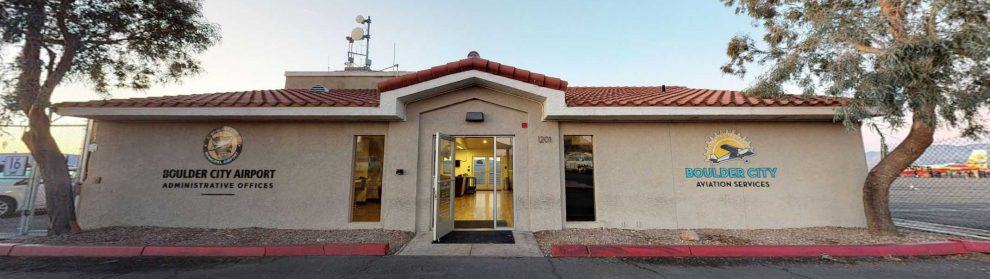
972	246
34	250
952	247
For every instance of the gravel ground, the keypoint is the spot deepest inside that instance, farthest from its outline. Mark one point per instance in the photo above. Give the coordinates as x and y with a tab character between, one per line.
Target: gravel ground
817	235
221	237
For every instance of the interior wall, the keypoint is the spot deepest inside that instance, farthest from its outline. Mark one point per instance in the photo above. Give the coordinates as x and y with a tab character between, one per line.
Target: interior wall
467	157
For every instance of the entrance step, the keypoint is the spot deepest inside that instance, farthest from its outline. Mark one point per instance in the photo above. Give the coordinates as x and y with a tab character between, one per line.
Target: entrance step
422	245
478	237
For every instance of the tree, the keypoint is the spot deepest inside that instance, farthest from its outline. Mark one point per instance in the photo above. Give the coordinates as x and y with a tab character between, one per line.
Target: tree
920	63
106	43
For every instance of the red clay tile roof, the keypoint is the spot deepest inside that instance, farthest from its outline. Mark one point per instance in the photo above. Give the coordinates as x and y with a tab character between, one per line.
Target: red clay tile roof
472	63
598	96
255	98
679	96
604	96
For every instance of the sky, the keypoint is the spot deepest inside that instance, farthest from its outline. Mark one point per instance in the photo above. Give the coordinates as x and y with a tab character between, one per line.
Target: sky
609	43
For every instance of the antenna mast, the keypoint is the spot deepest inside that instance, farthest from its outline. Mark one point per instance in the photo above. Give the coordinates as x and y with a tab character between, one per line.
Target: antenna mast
358	34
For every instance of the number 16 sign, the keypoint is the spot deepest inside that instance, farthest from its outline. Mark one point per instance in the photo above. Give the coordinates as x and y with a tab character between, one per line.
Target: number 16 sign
15	165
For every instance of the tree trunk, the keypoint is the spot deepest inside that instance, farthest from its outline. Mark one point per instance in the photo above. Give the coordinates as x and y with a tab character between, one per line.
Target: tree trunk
49	160
876	189
54	172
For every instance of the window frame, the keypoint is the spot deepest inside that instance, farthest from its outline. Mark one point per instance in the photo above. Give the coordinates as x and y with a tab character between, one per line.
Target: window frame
351	177
594	178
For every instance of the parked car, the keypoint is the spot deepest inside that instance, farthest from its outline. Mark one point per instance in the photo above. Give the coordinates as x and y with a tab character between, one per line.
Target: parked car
13	196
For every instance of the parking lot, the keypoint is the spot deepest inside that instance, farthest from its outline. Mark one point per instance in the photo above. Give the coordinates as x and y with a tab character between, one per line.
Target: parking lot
9	225
962	202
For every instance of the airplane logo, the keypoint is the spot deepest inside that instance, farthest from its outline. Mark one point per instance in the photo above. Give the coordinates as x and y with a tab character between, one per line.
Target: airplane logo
728	145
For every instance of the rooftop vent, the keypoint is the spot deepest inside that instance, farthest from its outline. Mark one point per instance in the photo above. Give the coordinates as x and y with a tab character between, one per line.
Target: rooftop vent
474	54
318	89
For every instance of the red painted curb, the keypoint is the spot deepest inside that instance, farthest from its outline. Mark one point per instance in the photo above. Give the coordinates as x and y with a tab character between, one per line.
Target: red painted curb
75	251
18	250
756	251
929	249
880	250
294	250
976	246
774	251
569	251
5	248
204	251
638	251
355	249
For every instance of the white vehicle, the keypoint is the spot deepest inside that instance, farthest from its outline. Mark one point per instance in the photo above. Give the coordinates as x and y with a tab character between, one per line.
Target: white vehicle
13	196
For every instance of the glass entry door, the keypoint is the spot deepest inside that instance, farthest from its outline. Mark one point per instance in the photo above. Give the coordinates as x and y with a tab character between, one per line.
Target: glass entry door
502	185
483	188
443	185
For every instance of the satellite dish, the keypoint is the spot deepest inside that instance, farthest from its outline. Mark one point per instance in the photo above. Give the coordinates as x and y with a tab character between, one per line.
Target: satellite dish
359	19
357	33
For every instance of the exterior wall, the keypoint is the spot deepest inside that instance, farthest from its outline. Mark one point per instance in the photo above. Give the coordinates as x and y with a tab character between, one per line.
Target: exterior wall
640	180
312	163
537	191
639	171
338	80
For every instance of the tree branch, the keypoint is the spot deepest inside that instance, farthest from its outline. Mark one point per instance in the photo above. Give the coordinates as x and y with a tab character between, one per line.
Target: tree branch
30	76
108	41
893	11
866	48
51	59
69	50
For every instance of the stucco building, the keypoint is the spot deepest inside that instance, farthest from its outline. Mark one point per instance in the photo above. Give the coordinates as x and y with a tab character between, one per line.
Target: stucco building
470	144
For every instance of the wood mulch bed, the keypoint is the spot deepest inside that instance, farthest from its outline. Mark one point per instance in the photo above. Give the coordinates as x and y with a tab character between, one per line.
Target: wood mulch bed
800	236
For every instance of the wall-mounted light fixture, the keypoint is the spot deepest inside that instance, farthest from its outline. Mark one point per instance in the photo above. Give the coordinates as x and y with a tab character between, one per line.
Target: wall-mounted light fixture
475	117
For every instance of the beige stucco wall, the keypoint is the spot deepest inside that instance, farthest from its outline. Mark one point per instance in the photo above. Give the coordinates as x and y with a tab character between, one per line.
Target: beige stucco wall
336	82
640	180
639	171
312	163
537	192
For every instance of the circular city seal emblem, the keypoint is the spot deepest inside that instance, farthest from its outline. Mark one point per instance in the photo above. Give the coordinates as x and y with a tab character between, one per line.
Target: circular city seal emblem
222	145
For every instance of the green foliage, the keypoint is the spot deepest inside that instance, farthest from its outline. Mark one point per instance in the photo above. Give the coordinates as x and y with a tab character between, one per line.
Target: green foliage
929	58
119	43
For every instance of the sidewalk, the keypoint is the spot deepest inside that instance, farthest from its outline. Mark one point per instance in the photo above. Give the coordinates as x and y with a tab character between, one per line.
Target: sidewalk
422	245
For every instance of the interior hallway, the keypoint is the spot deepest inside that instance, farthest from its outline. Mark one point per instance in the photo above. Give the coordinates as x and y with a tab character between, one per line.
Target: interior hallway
478	207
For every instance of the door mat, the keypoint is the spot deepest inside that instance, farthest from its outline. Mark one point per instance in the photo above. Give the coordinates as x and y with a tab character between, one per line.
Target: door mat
477	224
479	237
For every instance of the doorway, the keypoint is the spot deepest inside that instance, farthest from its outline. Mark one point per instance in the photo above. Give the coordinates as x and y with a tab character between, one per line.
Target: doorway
483	170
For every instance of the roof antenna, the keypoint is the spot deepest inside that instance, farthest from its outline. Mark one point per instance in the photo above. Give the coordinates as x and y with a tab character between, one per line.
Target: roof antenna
358	34
395	66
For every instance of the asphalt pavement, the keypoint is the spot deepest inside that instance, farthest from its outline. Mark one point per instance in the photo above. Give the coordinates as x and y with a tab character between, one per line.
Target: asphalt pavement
10	224
961	202
969	266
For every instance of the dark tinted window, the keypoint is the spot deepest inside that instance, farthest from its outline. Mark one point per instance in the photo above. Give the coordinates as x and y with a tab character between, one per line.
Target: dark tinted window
579	178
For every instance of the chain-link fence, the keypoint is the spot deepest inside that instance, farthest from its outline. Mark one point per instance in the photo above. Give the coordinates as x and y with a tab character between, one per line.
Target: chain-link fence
22	191
949	185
